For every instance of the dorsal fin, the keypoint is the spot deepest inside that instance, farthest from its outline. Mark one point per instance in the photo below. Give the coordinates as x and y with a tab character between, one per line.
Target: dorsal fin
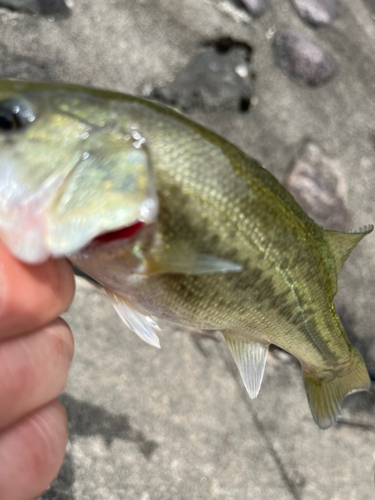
341	244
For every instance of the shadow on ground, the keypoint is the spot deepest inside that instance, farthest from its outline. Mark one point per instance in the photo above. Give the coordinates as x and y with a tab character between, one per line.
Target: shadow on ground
87	420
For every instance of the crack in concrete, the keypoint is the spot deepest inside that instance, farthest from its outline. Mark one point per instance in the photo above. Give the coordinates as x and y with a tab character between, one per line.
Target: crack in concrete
291	485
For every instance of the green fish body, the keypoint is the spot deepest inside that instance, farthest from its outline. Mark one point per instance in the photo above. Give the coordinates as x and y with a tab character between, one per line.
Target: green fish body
176	223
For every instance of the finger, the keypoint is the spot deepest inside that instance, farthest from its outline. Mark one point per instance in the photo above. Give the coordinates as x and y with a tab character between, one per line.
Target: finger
31	453
32	295
33	370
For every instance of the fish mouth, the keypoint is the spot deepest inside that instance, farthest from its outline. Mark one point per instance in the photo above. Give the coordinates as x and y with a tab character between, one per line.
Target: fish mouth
118	234
36	224
110	242
33	237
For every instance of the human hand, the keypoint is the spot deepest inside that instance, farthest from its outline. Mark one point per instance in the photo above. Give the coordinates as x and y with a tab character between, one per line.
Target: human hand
36	348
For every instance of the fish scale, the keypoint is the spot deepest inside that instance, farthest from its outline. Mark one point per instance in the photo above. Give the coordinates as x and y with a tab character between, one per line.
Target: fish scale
177	223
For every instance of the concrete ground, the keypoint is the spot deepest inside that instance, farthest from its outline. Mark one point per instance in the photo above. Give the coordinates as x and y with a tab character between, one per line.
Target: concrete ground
175	423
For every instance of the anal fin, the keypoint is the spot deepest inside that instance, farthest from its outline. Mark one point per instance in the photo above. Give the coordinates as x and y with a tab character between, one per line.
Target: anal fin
250	358
142	325
325	396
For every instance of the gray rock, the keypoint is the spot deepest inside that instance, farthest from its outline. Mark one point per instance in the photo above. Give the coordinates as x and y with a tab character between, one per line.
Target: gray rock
316	12
54	8
218	78
302	59
21	68
255	7
30	6
316	184
370	5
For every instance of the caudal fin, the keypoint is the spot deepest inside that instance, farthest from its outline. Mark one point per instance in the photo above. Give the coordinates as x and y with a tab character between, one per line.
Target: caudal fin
325	396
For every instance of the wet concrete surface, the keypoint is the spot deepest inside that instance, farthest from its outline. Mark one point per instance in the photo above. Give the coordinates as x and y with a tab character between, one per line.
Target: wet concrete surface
176	423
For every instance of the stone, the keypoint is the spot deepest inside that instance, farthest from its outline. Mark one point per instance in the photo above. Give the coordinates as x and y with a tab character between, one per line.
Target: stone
21	68
316	12
29	6
218	78
316	184
370	4
54	8
302	59
255	7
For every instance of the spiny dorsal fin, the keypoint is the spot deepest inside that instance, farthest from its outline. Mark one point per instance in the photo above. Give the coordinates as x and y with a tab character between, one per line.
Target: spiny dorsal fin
341	244
250	358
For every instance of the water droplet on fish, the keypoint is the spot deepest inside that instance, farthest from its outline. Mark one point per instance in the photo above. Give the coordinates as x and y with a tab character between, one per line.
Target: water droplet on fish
147	210
139	140
28	114
85	136
138	144
85	155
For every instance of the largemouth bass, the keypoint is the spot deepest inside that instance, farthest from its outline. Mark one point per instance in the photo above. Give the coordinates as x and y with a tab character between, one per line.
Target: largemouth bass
176	223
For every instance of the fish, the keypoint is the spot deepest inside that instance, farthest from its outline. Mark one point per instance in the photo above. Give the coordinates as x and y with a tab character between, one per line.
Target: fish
176	223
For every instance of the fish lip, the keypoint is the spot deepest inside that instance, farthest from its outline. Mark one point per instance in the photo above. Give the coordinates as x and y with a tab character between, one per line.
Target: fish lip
34	244
97	244
33	248
147	215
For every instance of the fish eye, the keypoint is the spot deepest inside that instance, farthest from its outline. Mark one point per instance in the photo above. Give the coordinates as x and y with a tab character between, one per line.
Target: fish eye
15	114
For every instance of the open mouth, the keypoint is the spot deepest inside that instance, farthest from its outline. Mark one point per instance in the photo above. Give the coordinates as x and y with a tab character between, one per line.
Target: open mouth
119	234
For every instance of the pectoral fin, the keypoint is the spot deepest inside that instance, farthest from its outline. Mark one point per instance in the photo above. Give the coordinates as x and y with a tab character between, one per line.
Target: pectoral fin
325	396
250	358
189	262
142	325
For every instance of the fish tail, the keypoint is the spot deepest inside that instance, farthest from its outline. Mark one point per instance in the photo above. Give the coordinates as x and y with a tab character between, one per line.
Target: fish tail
325	396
